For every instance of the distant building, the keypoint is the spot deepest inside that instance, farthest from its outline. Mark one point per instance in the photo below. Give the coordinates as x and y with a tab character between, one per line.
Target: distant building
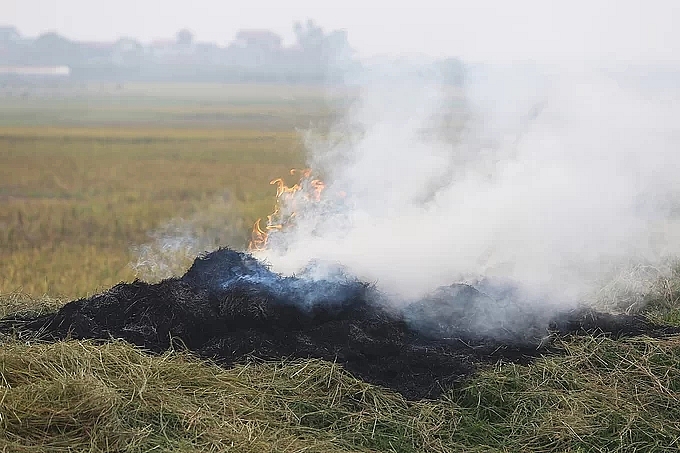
96	45
60	71
208	53
127	51
261	39
162	48
96	52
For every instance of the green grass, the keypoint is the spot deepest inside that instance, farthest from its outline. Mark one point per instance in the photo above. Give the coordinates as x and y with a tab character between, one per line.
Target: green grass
90	179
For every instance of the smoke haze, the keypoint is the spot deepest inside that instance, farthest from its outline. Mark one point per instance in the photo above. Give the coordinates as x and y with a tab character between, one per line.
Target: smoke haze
558	181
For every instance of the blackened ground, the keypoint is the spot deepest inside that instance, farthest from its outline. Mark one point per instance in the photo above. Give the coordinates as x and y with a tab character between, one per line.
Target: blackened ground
229	306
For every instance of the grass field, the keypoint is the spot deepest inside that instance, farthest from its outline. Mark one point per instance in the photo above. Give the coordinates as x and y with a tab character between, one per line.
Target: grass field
89	176
74	200
77	194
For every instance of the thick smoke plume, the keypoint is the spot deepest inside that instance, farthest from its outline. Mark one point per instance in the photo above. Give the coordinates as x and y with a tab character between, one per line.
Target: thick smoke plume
555	185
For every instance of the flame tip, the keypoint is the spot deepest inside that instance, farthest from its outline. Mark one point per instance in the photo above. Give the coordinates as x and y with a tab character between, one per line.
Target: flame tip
309	190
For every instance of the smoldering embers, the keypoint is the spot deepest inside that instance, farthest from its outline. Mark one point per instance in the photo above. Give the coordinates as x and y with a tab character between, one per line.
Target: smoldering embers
229	306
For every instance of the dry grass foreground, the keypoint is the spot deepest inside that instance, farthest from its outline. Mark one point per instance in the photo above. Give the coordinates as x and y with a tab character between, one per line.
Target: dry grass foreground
602	395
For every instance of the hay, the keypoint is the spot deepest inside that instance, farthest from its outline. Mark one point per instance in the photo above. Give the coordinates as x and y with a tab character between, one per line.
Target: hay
77	396
229	307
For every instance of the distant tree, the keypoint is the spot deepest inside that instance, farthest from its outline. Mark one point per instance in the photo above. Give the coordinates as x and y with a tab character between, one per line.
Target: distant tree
451	70
10	45
255	48
309	37
9	34
319	48
185	37
127	51
52	49
338	50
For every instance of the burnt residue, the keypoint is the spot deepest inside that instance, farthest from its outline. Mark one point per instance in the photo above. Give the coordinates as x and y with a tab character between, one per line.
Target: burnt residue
229	306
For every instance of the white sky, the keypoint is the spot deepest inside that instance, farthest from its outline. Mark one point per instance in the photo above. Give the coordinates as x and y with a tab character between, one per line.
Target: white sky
477	30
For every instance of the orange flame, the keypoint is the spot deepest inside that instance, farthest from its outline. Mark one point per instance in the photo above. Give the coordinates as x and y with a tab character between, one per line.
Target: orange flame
305	190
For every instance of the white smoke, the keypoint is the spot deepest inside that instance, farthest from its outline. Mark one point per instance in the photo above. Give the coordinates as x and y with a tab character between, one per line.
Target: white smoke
556	181
173	246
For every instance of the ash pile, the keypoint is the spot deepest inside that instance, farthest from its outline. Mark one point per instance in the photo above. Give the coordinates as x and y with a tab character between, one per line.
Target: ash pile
230	307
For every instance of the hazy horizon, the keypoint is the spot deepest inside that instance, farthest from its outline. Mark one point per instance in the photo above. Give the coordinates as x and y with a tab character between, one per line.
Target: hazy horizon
604	32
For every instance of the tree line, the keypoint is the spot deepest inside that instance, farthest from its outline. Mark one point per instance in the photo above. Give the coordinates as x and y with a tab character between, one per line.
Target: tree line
252	56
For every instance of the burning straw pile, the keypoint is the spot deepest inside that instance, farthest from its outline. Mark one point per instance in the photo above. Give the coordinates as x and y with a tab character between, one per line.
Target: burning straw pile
229	307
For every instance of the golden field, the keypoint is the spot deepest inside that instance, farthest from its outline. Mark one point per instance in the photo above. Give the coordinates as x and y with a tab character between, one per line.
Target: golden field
77	198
